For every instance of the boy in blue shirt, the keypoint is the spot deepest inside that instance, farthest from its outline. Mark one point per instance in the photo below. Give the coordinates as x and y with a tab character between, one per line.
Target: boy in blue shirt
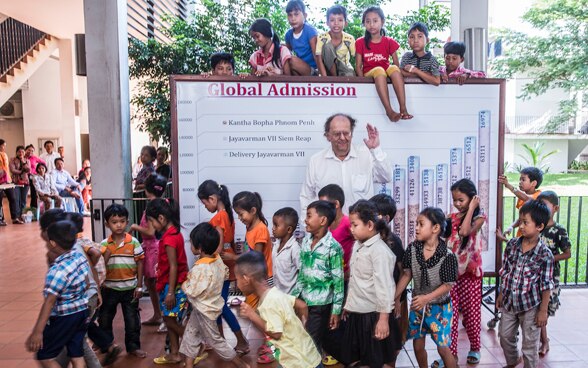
63	317
301	40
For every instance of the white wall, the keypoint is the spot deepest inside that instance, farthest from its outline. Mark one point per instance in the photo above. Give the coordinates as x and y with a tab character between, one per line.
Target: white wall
535	106
42	112
513	148
12	132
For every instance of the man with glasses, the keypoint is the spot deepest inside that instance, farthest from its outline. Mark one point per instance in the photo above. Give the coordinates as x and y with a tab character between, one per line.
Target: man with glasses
353	167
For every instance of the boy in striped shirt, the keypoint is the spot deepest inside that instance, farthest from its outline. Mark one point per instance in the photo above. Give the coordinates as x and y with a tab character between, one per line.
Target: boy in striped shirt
123	257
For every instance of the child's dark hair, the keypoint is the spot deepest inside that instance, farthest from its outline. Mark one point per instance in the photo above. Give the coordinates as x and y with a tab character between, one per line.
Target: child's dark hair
538	211
76	219
116	209
337	10
324	208
64	233
467	187
334	193
155	184
168	208
204	236
289	215
534	174
367	37
211	187
418	26
247	201
385	205
295	5
252	264
367	211
49	217
219	57
18	148
454	48
41	164
264	27
151	150
549	196
437	217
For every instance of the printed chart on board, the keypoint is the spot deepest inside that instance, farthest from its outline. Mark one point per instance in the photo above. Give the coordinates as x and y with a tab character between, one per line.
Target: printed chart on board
259	136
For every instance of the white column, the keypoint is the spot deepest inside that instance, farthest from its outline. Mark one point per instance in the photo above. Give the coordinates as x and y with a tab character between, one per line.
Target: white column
108	98
469	14
71	132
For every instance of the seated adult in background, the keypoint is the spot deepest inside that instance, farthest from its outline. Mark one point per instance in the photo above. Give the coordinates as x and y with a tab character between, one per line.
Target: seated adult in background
162	167
19	170
85	163
61	151
5	178
34	160
45	187
354	168
85	180
49	156
148	156
66	185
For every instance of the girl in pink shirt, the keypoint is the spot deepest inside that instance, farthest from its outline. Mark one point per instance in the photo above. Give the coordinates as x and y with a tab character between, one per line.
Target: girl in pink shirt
271	58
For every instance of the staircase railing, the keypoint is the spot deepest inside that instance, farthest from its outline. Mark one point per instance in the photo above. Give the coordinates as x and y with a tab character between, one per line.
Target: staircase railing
16	40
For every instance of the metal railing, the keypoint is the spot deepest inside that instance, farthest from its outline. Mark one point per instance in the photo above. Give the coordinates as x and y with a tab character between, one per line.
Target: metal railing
533	125
16	40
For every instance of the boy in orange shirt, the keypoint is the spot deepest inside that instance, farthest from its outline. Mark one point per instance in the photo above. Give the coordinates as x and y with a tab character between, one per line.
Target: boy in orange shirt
530	179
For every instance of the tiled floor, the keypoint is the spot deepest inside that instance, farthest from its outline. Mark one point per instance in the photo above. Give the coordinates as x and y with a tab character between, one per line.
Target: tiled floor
23	265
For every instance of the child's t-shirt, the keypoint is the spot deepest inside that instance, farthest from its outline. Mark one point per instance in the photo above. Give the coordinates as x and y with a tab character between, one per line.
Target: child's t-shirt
221	219
320	279
300	43
260	63
296	346
260	234
171	238
286	263
520	204
343	236
378	54
121	272
427	63
557	240
204	284
469	259
344	50
461	71
67	279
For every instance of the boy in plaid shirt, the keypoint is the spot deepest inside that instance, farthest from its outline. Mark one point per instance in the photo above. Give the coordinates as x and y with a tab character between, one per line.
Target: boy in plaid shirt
525	287
62	321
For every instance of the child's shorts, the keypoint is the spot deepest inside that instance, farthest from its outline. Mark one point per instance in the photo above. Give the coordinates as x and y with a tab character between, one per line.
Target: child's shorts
379	71
554	302
437	323
151	249
181	306
64	331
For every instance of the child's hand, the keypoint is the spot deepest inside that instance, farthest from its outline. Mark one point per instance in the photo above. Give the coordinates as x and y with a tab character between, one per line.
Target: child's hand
444	78
344	315
501	235
475	202
498	303
34	342
170	301
397	312
206	75
382	329
419	302
138	293
246	311
502	179
410	68
541	318
334	322
244	75
461	79
134	227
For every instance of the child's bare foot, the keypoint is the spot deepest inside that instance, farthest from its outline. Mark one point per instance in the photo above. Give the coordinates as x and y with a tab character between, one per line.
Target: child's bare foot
393	116
153	321
139	353
544	348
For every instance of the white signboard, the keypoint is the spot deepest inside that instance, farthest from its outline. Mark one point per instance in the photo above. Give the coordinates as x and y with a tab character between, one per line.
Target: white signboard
258	135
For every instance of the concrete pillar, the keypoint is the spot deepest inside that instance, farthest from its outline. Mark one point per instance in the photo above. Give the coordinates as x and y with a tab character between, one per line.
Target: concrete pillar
108	98
468	14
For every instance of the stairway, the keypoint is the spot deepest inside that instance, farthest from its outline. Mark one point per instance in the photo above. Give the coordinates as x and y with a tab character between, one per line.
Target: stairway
23	50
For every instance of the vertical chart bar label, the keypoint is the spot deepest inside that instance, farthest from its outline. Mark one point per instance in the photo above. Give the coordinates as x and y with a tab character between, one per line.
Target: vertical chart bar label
470	158
414	170
399	195
442	188
484	135
428	186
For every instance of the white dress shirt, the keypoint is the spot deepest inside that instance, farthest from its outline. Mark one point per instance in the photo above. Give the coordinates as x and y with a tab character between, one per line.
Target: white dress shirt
356	174
63	179
50	160
371	280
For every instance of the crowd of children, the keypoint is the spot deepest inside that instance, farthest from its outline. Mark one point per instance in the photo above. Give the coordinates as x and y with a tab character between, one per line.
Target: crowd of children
308	53
339	295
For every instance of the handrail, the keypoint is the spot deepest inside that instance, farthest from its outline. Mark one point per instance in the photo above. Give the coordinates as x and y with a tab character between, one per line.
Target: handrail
16	40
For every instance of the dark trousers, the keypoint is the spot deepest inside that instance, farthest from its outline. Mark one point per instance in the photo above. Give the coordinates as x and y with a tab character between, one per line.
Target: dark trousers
317	324
21	194
98	335
130	308
12	202
33	192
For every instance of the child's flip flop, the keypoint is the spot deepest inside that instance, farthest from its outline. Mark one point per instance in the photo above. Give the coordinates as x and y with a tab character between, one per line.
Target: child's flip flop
473	357
329	360
164	360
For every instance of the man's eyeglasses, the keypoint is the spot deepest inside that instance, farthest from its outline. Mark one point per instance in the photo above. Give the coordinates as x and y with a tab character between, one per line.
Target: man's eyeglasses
340	134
